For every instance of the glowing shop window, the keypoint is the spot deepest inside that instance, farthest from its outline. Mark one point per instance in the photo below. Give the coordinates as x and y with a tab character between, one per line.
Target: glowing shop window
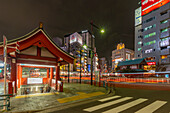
163	56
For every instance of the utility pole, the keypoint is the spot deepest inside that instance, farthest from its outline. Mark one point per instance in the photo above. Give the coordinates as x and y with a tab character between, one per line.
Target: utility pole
91	53
5	61
68	64
80	66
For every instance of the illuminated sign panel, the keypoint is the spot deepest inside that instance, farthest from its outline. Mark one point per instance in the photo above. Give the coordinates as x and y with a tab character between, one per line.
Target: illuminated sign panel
150	5
164	43
151	63
76	38
148	50
138	16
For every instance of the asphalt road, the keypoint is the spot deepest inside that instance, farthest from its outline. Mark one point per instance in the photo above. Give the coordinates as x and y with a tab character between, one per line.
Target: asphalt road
125	101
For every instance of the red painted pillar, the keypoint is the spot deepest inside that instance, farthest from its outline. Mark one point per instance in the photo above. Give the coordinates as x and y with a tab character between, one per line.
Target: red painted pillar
48	73
10	88
51	75
57	74
14	73
19	76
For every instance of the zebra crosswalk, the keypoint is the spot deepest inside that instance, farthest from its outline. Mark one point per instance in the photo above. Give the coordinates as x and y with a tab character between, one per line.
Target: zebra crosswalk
130	102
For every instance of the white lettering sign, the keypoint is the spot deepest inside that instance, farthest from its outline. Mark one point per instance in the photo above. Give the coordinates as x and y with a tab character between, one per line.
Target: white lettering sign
148	51
34	80
164	43
146	1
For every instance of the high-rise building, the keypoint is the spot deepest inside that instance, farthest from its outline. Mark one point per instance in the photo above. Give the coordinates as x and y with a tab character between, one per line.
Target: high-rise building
121	54
155	36
138	33
74	43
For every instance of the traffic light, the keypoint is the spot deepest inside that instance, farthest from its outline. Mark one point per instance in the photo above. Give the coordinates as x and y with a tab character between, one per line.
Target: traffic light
17	47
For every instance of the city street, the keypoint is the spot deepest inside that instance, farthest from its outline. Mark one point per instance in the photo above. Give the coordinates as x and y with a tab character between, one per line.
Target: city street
125	101
85	56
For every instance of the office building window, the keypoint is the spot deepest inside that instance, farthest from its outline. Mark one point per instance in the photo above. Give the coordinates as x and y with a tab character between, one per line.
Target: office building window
164	30
149	27
163	13
149	43
165	21
148	20
139	49
140	42
149	35
164	39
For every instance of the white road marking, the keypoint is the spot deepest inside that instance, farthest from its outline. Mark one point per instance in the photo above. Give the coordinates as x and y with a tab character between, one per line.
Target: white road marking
106	104
152	107
109	98
125	106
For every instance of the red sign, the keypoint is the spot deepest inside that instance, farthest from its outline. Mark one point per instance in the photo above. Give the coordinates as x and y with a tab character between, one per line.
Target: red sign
150	5
151	63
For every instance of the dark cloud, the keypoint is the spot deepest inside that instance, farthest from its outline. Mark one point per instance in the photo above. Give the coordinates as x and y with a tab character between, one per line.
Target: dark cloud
60	17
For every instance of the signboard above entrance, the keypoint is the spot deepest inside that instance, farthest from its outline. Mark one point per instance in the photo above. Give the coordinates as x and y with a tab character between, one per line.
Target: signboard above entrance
34	80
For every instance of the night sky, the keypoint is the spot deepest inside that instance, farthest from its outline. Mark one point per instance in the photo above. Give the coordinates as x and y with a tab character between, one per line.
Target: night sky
61	17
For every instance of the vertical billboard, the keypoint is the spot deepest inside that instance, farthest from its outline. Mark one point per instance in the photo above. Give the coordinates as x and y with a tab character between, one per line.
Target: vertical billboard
150	5
138	16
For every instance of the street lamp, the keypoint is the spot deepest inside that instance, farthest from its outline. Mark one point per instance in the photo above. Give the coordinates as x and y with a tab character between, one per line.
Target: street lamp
102	31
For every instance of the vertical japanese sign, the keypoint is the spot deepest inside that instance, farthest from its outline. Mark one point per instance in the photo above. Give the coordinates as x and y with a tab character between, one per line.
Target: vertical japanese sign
138	16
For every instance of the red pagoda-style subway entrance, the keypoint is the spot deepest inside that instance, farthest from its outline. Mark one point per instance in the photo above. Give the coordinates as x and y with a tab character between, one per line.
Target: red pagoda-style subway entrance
37	66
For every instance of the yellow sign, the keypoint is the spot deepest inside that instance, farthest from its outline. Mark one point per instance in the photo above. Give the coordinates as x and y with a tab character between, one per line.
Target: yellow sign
120	46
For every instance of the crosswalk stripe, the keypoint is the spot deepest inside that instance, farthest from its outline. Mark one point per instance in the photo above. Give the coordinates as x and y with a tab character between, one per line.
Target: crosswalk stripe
125	106
109	98
152	107
106	104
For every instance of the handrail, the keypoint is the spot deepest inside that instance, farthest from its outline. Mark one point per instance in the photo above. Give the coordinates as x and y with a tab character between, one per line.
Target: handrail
7	102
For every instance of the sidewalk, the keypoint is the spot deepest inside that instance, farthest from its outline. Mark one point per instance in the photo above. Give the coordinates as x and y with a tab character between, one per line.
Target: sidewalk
72	93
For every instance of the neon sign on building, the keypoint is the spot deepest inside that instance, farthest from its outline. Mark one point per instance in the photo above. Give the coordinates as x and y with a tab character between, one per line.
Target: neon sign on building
150	5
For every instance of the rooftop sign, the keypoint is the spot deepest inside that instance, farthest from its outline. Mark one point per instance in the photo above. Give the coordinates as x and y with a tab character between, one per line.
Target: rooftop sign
150	5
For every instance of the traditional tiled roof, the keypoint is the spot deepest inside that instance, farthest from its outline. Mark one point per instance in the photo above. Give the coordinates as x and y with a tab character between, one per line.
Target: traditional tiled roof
32	33
131	62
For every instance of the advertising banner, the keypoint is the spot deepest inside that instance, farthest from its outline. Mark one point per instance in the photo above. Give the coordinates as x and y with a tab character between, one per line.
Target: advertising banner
138	16
150	5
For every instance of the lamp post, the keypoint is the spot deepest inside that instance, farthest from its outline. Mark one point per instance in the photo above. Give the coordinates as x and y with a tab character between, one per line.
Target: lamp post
102	31
80	66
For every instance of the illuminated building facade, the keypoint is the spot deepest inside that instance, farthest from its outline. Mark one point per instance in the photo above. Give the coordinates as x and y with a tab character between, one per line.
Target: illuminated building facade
138	33
153	42
121	54
74	44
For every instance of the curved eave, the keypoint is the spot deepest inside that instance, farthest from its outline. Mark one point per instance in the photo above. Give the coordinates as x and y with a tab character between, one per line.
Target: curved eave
61	50
21	38
35	31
